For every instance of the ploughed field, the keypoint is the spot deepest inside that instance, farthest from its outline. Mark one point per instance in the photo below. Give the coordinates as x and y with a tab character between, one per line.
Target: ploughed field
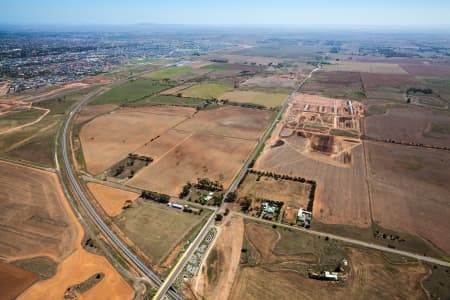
36	221
184	144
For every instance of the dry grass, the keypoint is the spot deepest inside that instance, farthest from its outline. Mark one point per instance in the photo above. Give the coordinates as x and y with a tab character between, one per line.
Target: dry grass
111	199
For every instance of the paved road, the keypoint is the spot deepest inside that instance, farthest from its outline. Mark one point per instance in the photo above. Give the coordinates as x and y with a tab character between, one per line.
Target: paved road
234	185
91	211
352	241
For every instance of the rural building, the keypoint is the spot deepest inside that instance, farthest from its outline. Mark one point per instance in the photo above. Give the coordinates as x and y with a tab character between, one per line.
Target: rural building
304	217
209	196
269	208
175	205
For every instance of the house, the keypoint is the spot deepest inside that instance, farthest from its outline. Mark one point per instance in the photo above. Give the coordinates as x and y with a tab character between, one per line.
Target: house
304	217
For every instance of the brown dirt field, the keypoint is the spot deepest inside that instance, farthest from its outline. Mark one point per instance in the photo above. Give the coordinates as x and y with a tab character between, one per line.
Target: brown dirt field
228	245
77	268
409	190
290	192
341	194
427	69
109	138
408	125
200	156
163	110
164	144
374	81
371	277
14	281
232	121
270	81
91	111
111	199
33	220
334	84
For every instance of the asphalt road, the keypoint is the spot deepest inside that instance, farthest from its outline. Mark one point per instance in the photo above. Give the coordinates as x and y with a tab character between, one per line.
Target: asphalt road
91	211
234	185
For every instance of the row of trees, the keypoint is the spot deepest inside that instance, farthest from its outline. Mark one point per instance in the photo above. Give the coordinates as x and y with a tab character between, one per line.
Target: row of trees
208	185
392	141
280	176
161	198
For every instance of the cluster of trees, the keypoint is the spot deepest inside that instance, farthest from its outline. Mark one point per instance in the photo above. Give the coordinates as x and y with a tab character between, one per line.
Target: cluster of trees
245	204
185	191
208	185
414	90
219	60
231	197
161	198
278	143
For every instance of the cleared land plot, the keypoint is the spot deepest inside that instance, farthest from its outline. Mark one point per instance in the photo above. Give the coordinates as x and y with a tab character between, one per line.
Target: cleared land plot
109	138
372	67
229	121
89	112
341	84
216	278
156	228
14	281
207	90
111	199
130	91
164	144
171	73
255	97
341	194
374	81
33	219
201	156
279	259
410	125
169	100
290	192
409	190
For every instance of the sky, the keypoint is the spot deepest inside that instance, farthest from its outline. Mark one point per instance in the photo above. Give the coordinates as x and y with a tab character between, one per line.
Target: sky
408	13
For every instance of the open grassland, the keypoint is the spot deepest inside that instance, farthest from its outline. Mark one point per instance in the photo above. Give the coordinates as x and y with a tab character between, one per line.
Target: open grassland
172	73
430	69
410	124
207	90
373	67
280	259
341	194
19	118
36	143
155	228
14	281
255	97
292	193
216	67
111	199
41	224
272	81
109	138
409	190
130	91
341	84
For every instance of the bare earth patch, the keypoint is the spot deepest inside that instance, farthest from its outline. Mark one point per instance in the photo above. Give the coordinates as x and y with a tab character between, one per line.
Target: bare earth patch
111	199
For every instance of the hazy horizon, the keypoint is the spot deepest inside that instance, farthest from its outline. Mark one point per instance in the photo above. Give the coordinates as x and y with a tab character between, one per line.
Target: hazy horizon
346	13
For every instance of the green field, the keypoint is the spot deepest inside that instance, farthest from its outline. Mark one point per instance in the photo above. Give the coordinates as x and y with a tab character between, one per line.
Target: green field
168	100
255	97
169	73
207	90
155	228
130	91
216	67
15	119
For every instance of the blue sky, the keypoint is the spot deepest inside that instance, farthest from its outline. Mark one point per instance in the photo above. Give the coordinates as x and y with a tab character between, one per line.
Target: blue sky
296	12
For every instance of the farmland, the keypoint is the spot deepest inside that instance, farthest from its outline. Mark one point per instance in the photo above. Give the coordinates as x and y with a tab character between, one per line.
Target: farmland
29	195
49	228
373	67
281	259
408	184
128	130
158	100
206	90
156	228
14	281
111	199
255	97
130	91
340	84
170	73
